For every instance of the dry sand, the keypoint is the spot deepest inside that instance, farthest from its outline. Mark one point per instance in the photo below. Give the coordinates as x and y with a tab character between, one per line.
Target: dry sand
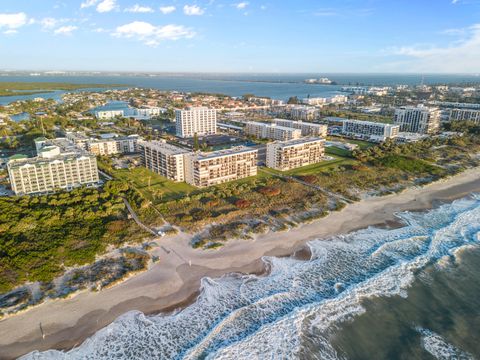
172	283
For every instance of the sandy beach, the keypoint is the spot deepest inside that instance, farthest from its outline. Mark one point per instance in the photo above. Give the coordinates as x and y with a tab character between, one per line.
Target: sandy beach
174	281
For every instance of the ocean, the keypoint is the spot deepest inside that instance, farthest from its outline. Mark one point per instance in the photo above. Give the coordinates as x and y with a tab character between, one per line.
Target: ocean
276	86
411	292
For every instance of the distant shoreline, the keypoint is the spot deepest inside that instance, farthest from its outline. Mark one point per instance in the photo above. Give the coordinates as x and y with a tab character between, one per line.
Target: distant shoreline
21	88
172	284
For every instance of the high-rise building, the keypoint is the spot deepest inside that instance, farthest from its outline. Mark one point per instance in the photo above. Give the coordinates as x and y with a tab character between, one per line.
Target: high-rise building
206	169
307	128
370	130
291	154
164	159
59	165
196	120
420	119
271	131
465	115
103	147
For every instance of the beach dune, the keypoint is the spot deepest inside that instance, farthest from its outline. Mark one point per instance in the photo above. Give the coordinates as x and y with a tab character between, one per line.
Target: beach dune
174	281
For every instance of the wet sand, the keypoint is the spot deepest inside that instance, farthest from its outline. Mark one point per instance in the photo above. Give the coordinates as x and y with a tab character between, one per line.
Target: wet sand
172	283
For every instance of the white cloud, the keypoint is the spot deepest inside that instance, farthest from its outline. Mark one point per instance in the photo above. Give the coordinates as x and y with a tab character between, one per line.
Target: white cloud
139	9
88	3
241	5
106	6
167	9
12	21
48	23
65	30
462	55
152	35
10	32
193	10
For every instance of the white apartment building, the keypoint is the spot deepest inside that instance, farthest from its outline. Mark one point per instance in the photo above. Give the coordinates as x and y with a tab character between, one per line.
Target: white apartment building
59	165
164	159
420	119
369	130
307	128
465	115
196	120
291	154
207	169
79	139
271	131
108	114
128	144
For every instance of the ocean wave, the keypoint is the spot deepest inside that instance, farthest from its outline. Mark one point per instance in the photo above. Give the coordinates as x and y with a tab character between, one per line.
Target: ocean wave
440	348
298	303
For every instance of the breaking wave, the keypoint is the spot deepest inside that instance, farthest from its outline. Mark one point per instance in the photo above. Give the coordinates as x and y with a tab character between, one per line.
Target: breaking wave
298	303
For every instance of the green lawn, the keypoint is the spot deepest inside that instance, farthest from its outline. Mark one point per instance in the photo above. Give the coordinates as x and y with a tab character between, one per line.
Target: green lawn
153	186
314	168
333	150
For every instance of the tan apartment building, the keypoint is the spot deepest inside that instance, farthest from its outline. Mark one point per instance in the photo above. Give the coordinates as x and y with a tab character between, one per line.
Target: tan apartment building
104	147
307	128
207	169
57	166
271	131
164	159
291	154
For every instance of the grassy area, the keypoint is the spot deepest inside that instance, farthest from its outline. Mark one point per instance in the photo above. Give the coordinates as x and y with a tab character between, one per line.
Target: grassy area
409	164
333	150
321	166
152	186
29	88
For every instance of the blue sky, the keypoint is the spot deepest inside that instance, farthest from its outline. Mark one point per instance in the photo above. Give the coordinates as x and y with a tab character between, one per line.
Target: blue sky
241	36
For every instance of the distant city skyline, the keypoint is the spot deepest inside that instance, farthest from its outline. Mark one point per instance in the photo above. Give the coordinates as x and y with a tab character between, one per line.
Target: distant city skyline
304	36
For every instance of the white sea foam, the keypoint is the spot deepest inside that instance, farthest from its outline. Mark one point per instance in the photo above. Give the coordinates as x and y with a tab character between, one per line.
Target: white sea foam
260	317
440	348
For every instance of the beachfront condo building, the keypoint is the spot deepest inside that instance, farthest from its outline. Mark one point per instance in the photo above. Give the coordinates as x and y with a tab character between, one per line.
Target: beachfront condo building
465	115
207	169
59	165
307	128
420	119
369	130
196	120
291	154
164	159
271	131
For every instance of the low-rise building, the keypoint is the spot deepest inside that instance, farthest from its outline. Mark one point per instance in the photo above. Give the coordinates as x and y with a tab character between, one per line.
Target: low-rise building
291	154
271	131
207	169
303	112
164	159
59	165
464	115
307	128
103	147
369	130
420	119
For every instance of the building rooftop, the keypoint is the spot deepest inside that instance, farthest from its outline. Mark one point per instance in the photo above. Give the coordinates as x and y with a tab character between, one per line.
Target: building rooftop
225	152
165	147
293	142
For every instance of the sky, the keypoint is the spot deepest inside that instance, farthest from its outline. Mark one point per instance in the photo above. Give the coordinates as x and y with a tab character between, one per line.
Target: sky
286	36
